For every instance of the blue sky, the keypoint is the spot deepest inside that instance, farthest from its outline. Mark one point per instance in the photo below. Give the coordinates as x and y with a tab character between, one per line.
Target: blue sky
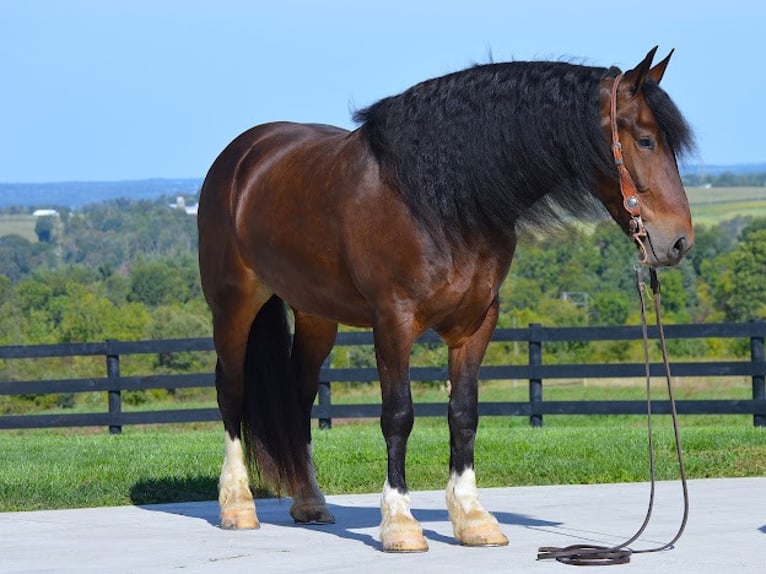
110	90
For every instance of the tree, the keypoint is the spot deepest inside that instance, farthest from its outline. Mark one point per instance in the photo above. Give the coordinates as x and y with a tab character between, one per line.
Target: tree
16	257
616	257
45	228
709	242
177	322
674	294
164	281
610	308
740	290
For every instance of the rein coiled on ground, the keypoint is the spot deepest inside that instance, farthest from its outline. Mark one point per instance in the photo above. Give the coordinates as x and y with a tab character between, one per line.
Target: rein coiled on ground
592	555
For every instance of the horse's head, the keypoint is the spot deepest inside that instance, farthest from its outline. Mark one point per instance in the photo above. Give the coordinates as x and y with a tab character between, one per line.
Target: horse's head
646	131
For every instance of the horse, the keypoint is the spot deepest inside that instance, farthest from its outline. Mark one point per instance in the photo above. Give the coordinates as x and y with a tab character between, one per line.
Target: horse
408	223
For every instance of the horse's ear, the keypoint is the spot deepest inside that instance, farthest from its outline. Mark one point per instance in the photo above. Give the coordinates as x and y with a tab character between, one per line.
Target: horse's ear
635	78
658	71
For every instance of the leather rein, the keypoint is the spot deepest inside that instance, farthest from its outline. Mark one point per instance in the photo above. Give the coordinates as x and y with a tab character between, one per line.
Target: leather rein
593	555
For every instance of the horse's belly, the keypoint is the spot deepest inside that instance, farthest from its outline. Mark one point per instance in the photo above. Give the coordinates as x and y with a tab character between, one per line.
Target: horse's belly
312	283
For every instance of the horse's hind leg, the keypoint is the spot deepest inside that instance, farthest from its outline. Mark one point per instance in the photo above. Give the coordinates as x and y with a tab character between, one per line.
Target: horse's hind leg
313	341
232	319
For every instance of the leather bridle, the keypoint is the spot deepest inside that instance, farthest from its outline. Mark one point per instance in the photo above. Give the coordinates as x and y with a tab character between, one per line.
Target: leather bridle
630	199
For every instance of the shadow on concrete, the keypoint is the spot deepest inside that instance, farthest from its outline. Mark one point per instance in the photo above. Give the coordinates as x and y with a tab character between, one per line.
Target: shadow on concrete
351	522
169	490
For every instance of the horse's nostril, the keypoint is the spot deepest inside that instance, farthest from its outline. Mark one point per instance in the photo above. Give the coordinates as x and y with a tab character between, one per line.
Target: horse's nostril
680	247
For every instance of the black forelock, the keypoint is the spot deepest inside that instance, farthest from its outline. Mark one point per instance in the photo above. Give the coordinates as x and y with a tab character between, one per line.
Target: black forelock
677	132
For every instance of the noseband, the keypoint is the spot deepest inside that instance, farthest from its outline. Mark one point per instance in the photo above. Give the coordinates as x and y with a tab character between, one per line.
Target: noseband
630	198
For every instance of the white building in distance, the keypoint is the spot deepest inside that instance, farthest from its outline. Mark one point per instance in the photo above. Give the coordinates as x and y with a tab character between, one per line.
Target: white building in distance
181	204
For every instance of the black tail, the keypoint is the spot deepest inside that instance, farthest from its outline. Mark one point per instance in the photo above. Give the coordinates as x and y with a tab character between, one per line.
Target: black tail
273	428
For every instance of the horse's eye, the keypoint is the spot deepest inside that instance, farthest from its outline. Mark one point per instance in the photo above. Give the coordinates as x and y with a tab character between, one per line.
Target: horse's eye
646	143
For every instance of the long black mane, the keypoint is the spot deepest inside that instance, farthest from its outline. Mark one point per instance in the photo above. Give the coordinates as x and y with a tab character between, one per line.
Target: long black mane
497	144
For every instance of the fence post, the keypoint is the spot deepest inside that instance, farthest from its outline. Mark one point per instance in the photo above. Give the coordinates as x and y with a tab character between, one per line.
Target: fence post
115	396
759	381
535	383
325	398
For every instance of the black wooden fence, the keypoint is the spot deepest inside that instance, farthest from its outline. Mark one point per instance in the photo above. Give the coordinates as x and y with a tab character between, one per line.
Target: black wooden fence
535	372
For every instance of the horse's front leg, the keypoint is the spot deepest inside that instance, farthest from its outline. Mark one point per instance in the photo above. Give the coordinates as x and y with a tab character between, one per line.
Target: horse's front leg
472	524
399	531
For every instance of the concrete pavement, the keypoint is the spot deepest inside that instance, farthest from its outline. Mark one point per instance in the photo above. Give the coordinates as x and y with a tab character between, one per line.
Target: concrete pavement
726	533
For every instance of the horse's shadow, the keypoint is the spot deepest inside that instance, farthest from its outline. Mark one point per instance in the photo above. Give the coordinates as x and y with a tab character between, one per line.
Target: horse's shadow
351	519
351	522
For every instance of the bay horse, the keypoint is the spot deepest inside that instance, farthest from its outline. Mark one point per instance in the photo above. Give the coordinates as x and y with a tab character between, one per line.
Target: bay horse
405	224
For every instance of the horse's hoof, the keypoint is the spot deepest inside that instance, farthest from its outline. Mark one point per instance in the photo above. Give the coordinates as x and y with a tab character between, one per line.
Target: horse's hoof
402	534
476	538
402	545
480	529
311	514
239	519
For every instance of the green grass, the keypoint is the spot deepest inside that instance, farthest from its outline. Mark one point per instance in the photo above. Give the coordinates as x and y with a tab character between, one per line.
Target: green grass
82	468
171	463
710	206
21	224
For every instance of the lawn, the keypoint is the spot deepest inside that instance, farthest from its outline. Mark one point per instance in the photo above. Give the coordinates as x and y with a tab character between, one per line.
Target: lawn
169	463
86	467
711	206
18	224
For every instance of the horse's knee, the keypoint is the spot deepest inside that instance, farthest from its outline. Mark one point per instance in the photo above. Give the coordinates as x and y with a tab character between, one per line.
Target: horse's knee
463	415
397	419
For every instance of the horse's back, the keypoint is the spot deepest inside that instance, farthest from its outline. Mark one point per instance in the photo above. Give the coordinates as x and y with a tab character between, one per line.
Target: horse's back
260	144
255	165
275	206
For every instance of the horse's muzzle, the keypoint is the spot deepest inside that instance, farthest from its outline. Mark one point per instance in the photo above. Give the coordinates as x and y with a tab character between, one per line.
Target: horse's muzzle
667	253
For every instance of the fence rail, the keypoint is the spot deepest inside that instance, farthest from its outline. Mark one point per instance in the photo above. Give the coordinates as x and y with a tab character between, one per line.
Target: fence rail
535	372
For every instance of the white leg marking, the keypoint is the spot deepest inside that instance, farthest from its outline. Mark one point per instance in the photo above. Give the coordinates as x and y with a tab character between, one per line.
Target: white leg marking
393	503
399	531
234	496
233	472
462	495
472	525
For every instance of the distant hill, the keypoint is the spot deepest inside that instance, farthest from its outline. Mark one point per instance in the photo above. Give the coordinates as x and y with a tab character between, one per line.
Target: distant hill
74	194
741	168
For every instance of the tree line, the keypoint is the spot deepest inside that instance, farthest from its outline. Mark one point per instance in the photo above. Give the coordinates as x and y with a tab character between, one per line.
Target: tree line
93	270
111	269
725	179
